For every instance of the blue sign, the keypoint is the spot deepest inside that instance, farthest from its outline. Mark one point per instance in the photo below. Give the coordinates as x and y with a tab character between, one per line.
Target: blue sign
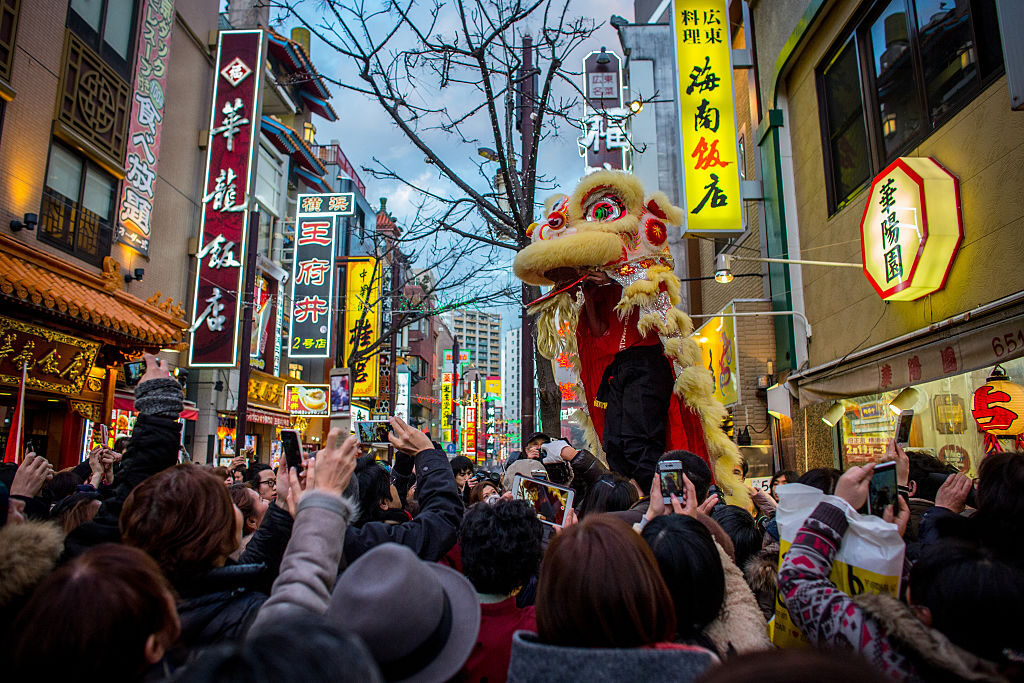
450	448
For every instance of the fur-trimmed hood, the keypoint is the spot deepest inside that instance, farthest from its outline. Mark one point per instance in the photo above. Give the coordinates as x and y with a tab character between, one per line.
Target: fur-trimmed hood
740	627
28	553
929	646
762	575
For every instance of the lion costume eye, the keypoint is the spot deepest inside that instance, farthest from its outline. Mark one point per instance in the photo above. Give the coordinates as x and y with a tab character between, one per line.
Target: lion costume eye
605	208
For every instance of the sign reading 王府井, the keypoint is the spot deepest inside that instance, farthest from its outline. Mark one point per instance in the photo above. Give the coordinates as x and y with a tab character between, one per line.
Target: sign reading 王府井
911	229
309	332
707	114
234	133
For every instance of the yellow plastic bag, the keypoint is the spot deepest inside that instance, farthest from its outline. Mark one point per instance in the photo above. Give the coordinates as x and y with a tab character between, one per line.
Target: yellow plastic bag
869	560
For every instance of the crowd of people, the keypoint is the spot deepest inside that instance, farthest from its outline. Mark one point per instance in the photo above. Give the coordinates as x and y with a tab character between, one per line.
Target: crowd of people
135	567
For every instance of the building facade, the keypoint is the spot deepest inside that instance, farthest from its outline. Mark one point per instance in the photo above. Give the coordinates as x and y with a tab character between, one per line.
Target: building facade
884	126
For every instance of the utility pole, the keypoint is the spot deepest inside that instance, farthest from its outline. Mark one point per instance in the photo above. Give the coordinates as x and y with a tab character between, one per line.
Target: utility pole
526	98
248	297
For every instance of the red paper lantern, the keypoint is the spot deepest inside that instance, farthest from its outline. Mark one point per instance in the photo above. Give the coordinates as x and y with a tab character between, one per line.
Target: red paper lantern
998	408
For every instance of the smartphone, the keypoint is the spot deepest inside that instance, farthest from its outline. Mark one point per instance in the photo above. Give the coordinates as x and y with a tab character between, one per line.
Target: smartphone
670	473
105	435
903	424
291	446
549	501
373	432
882	489
133	372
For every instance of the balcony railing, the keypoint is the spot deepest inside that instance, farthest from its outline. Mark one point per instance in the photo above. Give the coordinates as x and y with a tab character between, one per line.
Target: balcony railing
331	155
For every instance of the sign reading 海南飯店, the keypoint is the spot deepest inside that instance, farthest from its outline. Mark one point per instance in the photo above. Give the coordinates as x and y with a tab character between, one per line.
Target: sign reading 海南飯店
234	132
313	272
134	217
707	114
911	229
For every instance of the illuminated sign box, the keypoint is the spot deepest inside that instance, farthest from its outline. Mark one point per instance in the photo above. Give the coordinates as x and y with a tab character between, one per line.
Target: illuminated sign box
707	115
308	399
911	229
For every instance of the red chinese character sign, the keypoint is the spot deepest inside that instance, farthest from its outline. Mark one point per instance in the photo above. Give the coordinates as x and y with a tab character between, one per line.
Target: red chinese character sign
604	142
998	408
707	112
234	131
911	229
135	210
313	273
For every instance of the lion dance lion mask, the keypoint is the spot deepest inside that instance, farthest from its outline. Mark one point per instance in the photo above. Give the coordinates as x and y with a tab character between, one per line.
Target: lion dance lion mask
608	226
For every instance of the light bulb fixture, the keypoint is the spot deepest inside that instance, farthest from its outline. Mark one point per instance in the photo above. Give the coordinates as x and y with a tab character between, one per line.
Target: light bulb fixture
27	222
905	400
723	269
636	106
603	58
136	274
834	414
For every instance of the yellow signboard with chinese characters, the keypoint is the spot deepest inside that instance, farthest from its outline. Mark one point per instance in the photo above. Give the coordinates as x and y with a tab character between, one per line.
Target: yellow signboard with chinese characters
717	341
911	229
446	408
707	114
362	324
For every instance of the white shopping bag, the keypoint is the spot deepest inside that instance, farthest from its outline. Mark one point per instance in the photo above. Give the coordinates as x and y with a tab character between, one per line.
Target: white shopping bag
870	559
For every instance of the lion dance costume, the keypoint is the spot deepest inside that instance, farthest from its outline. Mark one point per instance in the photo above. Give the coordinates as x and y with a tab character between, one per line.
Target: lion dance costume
611	317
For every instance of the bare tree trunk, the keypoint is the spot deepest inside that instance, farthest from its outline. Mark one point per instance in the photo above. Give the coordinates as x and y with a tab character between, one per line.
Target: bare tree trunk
550	396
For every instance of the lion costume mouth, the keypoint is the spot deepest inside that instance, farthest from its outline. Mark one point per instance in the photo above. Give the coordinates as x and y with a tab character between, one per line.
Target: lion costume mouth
587	249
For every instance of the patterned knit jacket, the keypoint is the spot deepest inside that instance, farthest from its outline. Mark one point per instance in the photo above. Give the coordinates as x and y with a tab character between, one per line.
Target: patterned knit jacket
878	627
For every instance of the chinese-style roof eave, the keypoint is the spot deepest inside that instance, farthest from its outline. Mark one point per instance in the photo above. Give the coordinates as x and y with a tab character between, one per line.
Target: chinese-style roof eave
312	180
291	143
318	106
293	57
279	136
46	284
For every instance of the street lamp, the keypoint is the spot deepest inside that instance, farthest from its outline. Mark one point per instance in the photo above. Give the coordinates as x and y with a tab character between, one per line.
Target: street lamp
723	264
487	153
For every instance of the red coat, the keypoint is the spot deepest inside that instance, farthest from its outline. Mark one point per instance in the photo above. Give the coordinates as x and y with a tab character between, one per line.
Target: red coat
489	660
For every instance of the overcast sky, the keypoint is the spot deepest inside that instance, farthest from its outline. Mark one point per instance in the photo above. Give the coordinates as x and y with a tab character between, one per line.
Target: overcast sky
365	131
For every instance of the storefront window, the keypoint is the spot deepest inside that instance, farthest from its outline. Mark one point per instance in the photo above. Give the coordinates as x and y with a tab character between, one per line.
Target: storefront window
943	423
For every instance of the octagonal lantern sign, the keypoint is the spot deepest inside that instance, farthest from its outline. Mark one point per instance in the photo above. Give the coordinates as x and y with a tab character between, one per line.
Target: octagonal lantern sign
911	229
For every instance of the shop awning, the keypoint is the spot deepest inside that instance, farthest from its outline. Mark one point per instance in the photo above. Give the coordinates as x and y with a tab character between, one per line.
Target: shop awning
50	286
293	57
267	417
966	351
314	182
126	402
319	106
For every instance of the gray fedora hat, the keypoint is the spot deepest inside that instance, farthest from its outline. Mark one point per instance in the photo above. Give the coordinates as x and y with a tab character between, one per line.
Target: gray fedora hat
420	620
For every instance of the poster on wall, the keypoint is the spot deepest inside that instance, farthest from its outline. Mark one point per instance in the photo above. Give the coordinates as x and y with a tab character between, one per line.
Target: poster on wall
142	151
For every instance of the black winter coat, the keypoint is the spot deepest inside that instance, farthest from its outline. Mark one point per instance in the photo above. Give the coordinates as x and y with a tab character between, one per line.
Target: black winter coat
433	532
152	449
219	605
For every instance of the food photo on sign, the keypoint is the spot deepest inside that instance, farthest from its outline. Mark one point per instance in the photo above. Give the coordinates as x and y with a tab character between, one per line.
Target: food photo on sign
308	399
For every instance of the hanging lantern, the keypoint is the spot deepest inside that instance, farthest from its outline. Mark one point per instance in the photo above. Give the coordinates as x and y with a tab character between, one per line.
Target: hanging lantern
998	408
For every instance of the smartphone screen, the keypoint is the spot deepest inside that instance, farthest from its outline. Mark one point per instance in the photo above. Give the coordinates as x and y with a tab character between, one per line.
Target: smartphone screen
133	371
671	475
291	446
882	489
548	500
903	424
373	431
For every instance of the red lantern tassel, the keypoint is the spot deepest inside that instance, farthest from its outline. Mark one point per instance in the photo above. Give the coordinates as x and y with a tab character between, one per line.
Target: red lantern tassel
992	444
